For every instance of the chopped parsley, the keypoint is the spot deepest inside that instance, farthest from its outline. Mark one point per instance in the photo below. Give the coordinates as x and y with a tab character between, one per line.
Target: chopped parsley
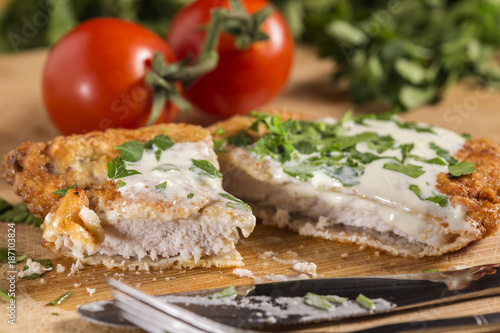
205	168
322	302
44	262
410	170
190	195
461	168
18	214
121	183
365	302
218	146
6	295
62	192
60	299
224	293
10	256
117	169
162	186
219	131
166	168
235	202
439	199
131	151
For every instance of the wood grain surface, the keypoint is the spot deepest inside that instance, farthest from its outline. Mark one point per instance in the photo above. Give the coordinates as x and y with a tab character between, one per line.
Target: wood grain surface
467	108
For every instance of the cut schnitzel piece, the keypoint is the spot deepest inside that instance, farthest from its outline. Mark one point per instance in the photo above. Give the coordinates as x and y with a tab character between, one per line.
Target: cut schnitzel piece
132	198
409	189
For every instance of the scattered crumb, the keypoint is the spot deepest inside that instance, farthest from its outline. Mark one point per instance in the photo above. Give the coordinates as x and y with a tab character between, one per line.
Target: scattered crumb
76	267
154	279
338	267
344	255
376	254
137	285
161	272
271	320
305	267
241	272
267	255
76	285
392	264
137	273
60	268
33	268
265	264
169	278
91	291
42	281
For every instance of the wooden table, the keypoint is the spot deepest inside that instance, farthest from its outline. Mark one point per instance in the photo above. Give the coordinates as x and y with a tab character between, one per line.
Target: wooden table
467	108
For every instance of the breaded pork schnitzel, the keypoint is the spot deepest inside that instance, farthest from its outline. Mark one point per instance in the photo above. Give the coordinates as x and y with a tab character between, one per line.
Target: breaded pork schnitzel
132	198
409	189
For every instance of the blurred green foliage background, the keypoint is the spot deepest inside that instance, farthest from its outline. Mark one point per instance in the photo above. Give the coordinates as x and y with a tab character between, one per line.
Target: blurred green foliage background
405	53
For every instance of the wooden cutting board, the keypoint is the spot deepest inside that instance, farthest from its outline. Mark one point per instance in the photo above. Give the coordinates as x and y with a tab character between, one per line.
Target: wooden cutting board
468	108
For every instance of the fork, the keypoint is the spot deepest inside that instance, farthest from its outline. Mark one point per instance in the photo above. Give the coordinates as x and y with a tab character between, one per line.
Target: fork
155	316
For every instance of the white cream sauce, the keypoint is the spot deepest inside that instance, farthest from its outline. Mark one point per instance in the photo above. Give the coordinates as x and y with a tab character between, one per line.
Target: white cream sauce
386	187
174	178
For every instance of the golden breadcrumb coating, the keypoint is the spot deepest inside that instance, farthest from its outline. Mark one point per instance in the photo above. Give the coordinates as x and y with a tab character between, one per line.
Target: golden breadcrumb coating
479	191
37	169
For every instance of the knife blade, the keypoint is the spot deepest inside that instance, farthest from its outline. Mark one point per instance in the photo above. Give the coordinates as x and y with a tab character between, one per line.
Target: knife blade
281	303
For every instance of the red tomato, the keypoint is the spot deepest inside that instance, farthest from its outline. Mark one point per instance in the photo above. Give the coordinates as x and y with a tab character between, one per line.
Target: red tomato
94	77
243	80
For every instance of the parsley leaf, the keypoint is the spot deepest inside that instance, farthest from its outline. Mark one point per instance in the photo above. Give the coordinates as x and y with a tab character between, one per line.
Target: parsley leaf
365	302
239	140
305	147
17	214
205	168
405	151
5	295
226	292
218	145
345	174
166	168
441	200
443	153
131	151
60	299
461	168
161	186
235	202
410	170
121	183
117	169
190	195
345	142
163	142
219	131
44	262
62	192
414	126
6	254
322	302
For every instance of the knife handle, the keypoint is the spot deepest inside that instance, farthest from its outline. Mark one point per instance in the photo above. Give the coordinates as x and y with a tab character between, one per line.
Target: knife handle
491	320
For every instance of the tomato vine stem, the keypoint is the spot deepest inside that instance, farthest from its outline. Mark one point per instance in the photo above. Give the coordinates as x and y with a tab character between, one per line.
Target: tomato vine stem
162	77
